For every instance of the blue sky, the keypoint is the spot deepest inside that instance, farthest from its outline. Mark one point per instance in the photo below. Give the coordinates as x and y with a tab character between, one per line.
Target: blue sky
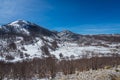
81	16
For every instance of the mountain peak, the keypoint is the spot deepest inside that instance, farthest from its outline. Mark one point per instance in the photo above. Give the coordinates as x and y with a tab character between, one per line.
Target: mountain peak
23	27
19	23
66	31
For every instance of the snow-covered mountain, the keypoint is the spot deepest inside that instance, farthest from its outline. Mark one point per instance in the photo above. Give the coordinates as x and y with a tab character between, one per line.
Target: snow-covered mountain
21	40
22	27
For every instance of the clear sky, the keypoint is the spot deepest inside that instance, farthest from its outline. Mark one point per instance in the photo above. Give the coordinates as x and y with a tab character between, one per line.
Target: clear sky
81	16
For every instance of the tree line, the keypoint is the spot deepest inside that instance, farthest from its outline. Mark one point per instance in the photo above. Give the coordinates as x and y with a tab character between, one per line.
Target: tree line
49	66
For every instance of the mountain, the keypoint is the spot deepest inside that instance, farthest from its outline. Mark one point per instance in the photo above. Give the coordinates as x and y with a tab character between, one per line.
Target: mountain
67	35
22	40
22	27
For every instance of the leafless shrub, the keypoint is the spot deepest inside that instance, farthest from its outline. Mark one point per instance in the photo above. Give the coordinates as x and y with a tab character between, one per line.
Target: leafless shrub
45	50
9	57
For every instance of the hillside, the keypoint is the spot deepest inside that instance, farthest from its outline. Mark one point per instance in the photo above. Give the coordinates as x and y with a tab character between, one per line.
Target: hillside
20	40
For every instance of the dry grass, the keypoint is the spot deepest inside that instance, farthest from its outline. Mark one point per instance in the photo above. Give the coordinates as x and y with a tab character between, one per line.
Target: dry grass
102	74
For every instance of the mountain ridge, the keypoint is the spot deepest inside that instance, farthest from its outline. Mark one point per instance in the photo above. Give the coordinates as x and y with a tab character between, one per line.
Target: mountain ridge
21	40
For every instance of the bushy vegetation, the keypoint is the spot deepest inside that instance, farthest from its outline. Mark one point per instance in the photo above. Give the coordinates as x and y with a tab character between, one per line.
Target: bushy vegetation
49	66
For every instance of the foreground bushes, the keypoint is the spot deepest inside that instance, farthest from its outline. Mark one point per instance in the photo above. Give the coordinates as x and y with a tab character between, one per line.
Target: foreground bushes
49	66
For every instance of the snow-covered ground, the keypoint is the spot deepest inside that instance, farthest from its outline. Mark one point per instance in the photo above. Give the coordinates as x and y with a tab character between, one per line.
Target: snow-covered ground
68	49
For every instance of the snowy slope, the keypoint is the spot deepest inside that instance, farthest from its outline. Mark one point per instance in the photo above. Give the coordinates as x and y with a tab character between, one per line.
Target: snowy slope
22	40
23	51
72	49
